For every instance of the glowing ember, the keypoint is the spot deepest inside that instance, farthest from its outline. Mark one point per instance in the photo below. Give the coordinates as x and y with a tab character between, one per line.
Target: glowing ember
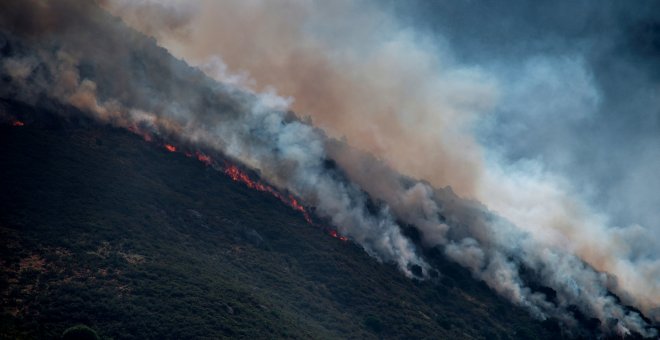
203	158
336	235
17	123
295	205
237	175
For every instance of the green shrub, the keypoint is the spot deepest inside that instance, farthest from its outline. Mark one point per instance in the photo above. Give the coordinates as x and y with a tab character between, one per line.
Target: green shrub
80	332
373	324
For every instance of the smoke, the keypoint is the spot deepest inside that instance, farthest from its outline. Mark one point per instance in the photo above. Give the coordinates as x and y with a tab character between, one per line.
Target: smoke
330	57
494	249
250	127
397	94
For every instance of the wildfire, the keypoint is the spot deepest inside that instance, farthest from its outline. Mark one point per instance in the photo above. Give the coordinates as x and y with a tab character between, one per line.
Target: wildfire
237	175
336	235
297	206
17	123
203	158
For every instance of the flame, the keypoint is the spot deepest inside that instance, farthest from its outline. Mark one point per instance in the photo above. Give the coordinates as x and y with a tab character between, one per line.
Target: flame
206	159
297	206
17	123
237	175
336	235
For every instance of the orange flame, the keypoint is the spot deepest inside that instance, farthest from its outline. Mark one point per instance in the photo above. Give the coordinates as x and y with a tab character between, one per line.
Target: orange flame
297	206
336	235
237	175
206	159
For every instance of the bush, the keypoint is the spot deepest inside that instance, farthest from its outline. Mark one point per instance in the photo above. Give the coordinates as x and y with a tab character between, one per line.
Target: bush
373	324
80	332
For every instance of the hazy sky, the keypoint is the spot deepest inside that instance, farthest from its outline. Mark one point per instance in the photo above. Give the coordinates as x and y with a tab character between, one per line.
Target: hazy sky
584	87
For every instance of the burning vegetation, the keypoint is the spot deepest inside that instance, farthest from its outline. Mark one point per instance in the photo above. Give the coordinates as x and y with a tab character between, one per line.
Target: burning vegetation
238	175
191	259
235	173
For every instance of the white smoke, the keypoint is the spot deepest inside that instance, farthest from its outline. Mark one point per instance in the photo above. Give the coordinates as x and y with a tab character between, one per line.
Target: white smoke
396	93
287	153
493	249
243	120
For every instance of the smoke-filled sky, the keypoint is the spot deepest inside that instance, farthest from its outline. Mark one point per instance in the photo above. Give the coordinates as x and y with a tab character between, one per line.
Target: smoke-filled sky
545	112
440	88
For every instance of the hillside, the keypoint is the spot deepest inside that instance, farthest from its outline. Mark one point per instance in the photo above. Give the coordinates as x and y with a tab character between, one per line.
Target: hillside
105	229
114	216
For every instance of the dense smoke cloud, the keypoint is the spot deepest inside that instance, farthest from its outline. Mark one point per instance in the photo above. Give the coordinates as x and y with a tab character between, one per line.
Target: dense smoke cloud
577	121
524	123
387	89
330	57
123	87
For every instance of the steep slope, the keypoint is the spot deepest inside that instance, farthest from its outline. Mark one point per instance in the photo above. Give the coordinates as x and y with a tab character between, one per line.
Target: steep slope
71	53
105	229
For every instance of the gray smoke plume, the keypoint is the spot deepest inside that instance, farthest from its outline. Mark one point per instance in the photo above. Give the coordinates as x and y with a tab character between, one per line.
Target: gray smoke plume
493	249
76	54
96	68
549	120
